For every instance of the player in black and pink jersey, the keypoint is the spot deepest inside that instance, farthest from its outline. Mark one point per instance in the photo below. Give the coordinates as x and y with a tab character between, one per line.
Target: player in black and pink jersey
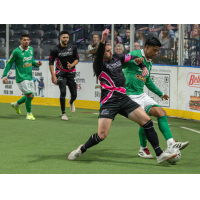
114	100
66	57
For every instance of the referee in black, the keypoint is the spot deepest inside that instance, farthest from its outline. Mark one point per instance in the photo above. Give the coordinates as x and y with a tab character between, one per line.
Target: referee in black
67	58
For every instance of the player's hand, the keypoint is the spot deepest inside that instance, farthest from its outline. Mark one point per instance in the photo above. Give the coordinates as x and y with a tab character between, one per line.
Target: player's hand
69	65
54	79
39	63
139	60
145	71
5	80
165	97
105	34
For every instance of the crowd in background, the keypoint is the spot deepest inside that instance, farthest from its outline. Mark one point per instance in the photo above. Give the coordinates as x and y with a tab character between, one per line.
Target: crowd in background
86	36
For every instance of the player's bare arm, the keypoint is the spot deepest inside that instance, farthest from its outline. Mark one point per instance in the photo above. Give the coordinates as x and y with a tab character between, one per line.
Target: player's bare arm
5	80
105	34
39	63
53	76
165	97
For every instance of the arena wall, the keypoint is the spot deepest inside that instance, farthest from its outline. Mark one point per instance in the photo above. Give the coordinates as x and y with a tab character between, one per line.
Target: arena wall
180	83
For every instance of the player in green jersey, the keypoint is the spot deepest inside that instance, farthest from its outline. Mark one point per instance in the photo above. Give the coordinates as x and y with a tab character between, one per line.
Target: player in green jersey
23	57
135	89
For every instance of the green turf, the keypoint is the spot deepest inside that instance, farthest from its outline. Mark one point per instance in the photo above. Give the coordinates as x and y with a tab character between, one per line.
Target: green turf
42	146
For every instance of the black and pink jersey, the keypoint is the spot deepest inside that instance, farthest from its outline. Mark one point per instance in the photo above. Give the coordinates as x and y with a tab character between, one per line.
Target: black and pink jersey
110	74
62	55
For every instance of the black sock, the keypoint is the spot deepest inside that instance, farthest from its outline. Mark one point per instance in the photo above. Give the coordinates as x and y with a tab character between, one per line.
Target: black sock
93	140
62	104
152	137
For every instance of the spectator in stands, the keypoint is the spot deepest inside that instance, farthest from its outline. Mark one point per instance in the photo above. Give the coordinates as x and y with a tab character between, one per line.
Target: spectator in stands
119	49
116	41
155	29
127	41
140	37
195	26
164	40
95	40
141	27
136	46
116	34
168	27
176	34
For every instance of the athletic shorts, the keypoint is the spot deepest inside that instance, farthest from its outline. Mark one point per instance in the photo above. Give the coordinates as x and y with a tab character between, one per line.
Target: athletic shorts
70	78
144	101
123	105
27	87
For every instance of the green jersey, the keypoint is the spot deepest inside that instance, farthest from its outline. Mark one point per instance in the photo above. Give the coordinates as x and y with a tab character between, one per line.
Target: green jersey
133	74
24	60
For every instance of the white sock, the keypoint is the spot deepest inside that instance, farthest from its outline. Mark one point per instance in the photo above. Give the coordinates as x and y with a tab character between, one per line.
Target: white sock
170	141
29	113
142	148
16	104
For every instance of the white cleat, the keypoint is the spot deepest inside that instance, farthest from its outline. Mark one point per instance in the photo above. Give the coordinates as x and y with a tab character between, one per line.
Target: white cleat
72	107
75	154
145	153
166	155
64	117
180	145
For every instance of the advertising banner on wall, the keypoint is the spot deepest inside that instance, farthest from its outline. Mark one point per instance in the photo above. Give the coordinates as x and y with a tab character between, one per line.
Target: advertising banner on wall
193	89
164	77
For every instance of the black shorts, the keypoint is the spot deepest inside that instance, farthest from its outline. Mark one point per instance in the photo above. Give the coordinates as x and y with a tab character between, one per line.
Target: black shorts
68	77
123	105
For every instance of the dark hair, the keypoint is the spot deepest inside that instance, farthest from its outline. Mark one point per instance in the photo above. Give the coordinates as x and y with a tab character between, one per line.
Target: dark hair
153	42
24	35
64	32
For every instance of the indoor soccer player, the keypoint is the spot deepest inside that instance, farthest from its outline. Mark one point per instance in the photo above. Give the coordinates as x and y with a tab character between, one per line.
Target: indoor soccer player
66	58
23	57
135	89
114	100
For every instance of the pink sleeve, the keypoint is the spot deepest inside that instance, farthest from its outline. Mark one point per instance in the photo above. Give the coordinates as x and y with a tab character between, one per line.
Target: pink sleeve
127	58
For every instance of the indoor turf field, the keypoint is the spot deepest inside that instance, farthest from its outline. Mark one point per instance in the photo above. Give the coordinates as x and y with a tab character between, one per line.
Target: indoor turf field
42	146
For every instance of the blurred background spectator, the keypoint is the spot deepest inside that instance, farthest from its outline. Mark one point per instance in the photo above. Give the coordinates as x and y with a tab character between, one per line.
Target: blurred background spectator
164	39
127	41
140	38
119	49
136	46
155	29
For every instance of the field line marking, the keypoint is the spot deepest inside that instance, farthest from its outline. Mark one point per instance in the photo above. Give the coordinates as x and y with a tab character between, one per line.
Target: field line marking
190	129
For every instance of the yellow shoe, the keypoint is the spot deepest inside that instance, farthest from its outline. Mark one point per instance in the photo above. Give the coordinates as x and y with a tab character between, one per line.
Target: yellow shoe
30	117
16	108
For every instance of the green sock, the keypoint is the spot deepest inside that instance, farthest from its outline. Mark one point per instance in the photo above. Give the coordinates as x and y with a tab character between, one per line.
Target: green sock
164	127
28	104
142	137
22	100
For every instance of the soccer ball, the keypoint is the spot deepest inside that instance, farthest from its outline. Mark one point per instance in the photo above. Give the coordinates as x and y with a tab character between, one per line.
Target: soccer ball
177	158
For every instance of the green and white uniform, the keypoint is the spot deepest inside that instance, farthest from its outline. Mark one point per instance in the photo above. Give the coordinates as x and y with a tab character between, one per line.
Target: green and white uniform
135	82
135	90
24	60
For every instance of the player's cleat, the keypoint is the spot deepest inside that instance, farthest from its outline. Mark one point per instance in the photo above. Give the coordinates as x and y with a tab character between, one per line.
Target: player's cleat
16	108
166	155
64	117
145	153
180	145
72	107
75	154
30	117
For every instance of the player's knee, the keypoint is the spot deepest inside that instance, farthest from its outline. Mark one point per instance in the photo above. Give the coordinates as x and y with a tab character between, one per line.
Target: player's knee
63	94
161	112
102	134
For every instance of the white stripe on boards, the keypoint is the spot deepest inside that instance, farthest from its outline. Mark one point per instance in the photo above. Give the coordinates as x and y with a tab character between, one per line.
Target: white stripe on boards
190	129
